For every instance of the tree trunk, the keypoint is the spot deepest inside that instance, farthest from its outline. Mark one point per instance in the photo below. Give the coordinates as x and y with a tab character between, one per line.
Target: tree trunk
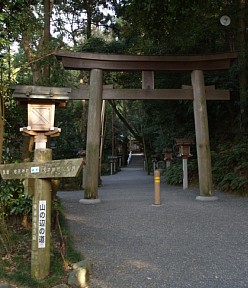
46	71
35	64
147	154
1	114
102	136
243	69
113	133
1	125
125	122
89	19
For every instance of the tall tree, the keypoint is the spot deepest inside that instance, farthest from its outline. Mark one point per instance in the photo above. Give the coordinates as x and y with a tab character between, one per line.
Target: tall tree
5	75
35	37
243	67
1	109
75	20
47	17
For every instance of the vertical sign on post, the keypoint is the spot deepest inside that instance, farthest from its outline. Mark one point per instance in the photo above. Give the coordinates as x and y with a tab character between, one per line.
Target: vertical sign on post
40	264
42	224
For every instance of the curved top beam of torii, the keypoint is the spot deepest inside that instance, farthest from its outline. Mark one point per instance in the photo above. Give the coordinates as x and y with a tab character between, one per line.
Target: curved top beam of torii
82	61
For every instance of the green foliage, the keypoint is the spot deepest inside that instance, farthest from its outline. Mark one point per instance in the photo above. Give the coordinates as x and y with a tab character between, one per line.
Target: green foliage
100	44
72	255
5	238
174	27
72	122
230	167
9	191
174	174
22	205
16	258
105	169
12	199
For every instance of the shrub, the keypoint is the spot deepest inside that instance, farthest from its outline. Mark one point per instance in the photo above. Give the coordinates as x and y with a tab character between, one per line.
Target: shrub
230	167
12	199
174	174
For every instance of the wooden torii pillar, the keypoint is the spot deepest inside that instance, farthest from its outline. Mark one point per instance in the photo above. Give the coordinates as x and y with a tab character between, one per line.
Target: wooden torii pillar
93	136
196	65
202	136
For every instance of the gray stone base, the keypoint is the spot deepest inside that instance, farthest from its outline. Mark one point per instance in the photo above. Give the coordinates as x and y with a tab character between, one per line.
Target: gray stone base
79	276
206	198
90	201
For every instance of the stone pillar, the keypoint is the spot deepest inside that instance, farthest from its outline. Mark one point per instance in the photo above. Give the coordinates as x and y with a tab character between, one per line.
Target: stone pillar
41	220
93	135
185	173
202	136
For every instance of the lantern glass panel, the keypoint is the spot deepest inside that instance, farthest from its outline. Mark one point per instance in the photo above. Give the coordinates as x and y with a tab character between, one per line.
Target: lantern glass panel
41	116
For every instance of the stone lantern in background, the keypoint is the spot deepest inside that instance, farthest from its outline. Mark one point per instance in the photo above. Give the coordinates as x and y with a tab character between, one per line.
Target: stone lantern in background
184	152
167	156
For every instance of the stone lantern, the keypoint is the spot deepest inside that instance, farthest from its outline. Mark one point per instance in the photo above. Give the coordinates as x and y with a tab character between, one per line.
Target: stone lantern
184	153
184	147
41	102
167	156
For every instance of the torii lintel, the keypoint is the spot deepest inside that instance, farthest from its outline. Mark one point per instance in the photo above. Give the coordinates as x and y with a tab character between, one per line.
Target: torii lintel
87	61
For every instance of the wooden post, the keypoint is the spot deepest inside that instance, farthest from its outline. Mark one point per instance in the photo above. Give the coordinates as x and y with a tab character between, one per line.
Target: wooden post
41	221
93	135
168	164
202	136
102	136
185	173
111	167
154	165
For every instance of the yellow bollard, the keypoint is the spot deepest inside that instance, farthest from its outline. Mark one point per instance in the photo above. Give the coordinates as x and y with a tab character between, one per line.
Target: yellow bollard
156	187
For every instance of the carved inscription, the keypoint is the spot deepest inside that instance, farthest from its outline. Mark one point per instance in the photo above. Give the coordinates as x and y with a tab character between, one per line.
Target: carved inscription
51	169
34	226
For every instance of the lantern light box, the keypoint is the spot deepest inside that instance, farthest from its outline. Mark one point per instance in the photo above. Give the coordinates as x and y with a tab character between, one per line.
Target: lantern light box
184	147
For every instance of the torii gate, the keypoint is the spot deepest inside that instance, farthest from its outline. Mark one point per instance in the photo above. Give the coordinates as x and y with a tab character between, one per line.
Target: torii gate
97	63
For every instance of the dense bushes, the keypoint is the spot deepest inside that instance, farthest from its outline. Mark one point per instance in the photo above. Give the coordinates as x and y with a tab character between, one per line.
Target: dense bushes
174	174
230	167
13	201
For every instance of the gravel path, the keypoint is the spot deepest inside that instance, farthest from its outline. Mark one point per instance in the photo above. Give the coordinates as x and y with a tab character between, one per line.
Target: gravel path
182	243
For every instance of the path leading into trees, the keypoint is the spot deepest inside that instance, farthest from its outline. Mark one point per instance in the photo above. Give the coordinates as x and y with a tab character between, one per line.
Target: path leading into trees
182	243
